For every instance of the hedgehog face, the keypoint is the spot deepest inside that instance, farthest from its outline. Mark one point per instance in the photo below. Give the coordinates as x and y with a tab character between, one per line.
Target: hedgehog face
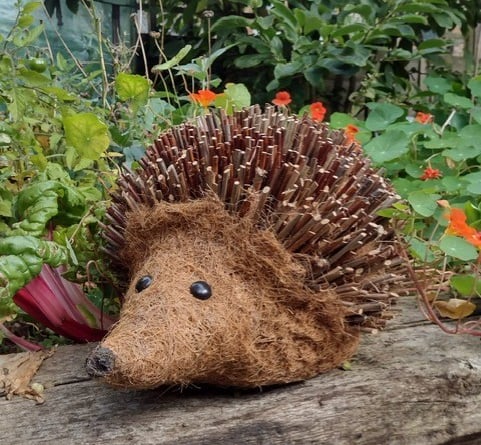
185	324
214	300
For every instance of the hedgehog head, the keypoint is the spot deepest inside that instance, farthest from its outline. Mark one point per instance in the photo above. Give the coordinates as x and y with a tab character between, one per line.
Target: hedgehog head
215	300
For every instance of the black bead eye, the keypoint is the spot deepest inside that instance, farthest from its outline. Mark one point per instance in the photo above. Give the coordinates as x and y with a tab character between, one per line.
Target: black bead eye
201	290
143	283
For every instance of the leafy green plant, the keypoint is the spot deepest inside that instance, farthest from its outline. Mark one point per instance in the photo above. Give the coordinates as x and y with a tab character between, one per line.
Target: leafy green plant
54	169
310	44
64	132
66	127
434	160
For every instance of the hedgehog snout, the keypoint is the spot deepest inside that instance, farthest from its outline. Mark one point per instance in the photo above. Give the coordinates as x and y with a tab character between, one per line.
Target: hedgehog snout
100	362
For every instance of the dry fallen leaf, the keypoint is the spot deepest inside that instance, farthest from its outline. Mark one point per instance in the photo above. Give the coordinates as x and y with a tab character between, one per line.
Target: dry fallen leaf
17	371
455	308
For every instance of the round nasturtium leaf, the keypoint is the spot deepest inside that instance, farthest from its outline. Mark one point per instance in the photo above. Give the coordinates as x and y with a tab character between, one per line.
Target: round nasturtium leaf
458	248
475	86
388	146
87	134
132	87
424	203
457	101
466	285
381	115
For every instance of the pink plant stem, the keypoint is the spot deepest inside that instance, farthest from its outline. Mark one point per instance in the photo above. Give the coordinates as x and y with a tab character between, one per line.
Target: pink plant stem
19	341
62	306
428	309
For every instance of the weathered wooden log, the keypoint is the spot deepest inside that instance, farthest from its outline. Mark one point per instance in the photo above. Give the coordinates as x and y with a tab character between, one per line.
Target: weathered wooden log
409	385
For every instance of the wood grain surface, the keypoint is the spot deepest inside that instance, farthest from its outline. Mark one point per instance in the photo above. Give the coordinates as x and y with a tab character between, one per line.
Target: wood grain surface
410	384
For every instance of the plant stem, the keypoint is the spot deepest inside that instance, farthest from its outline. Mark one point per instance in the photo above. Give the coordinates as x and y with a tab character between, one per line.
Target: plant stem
19	341
448	121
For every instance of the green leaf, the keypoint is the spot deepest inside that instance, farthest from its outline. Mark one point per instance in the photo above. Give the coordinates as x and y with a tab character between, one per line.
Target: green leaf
466	285
366	11
251	60
474	188
381	115
287	69
473	177
276	46
470	135
400	54
174	61
71	156
431	43
61	62
39	202
446	19
476	114
448	140
28	37
341	120
33	78
421	250
439	85
413	18
457	101
475	86
5	208
313	23
417	7
236	96
283	12
133	88
390	145
351	54
31	7
230	22
458	248
452	184
462	153
87	134
424	203
25	20
415	170
22	259
59	93
315	76
349	29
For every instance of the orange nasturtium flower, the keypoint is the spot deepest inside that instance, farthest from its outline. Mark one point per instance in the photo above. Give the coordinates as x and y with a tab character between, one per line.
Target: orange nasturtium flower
350	131
318	111
431	173
204	97
282	98
423	118
459	227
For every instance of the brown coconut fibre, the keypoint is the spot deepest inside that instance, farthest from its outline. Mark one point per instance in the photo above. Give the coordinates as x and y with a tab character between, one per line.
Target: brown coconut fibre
278	216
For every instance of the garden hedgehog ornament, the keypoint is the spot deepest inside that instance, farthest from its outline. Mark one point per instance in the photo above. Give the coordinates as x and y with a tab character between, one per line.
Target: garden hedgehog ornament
254	254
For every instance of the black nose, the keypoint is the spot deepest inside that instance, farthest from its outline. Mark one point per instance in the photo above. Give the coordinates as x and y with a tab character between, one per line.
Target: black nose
100	362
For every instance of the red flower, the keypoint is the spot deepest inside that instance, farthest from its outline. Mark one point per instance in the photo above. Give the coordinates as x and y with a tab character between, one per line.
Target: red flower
204	97
424	118
431	173
282	98
318	111
351	131
458	226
